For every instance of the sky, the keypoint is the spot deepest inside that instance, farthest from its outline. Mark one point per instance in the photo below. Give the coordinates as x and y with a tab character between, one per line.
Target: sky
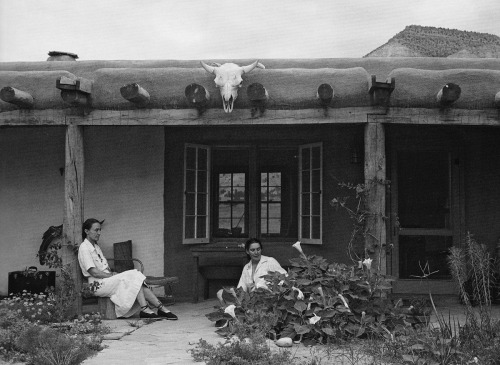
224	29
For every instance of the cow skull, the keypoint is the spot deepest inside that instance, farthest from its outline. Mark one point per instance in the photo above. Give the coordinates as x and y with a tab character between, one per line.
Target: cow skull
228	80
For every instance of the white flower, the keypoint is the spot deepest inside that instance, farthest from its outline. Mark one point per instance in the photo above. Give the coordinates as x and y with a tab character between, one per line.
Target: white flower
296	245
344	301
314	319
300	295
368	263
320	291
230	310
281	282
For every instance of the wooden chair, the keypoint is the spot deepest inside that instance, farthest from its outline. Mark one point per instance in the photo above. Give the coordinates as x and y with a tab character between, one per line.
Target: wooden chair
124	261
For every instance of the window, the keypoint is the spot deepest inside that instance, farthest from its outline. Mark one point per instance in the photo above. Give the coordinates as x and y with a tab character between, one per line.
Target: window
196	197
254	192
310	172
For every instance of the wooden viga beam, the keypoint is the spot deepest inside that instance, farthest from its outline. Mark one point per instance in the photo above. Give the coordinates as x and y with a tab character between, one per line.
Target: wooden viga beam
135	94
17	97
325	94
197	96
448	94
258	97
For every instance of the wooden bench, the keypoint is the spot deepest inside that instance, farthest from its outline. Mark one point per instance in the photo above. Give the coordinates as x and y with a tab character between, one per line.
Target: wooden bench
216	261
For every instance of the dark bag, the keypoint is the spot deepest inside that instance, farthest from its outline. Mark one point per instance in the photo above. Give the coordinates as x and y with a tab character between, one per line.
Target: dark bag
31	280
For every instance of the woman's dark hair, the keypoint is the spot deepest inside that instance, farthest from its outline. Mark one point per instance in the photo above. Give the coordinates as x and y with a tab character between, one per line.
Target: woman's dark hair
250	241
88	225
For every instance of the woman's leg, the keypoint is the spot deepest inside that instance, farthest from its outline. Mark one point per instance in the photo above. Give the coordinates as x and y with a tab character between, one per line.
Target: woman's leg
155	302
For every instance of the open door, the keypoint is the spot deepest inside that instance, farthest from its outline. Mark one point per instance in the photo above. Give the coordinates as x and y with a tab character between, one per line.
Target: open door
425	199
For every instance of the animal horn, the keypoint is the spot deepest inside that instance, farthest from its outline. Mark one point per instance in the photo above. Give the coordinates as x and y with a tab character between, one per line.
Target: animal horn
209	69
247	69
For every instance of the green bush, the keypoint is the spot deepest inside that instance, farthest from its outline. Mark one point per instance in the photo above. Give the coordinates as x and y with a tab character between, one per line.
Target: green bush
321	302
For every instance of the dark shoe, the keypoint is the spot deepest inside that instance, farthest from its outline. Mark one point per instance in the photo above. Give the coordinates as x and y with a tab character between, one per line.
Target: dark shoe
168	315
143	314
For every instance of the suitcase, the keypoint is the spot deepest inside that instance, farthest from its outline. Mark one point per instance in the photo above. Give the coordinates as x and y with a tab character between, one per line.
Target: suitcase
31	280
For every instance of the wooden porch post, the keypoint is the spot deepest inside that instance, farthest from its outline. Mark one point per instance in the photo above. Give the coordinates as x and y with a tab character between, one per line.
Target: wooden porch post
73	205
375	178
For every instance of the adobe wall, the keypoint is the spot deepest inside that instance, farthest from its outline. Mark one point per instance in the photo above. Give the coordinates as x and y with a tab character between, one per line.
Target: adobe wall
123	185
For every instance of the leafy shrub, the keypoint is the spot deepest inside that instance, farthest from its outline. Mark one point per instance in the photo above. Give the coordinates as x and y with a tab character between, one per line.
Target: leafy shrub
321	302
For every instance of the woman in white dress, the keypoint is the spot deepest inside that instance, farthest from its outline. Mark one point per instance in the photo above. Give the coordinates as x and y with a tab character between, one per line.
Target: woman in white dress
127	290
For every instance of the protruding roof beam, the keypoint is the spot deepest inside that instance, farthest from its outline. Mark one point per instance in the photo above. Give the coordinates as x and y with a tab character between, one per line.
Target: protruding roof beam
197	96
258	97
135	94
20	98
448	95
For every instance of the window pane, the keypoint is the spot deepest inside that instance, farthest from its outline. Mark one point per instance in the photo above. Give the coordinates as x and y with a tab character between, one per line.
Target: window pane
225	224
189	227
239	194
263	194
274	226
224	194
263	179
417	251
305	181
316	199
190	199
316	228
202	181
306	209
238	179
201	227
224	211
224	180
316	181
275	179
190	158
202	159
305	227
202	204
263	226
238	214
275	210
190	180
275	194
306	163
263	211
316	154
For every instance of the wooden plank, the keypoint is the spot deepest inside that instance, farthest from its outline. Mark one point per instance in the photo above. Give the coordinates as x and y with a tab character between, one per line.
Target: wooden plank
375	177
179	117
174	117
73	205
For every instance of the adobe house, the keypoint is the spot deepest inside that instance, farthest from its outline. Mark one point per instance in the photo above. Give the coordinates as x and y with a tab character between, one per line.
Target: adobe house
147	146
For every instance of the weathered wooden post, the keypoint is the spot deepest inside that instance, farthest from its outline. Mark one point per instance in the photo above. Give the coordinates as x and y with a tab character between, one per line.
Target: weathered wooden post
73	206
375	179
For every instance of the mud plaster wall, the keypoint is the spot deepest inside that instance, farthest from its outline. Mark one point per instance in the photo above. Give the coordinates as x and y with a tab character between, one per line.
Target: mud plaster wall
31	194
123	184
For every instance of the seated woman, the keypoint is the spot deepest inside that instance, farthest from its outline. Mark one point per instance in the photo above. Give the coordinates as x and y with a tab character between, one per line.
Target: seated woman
253	272
127	290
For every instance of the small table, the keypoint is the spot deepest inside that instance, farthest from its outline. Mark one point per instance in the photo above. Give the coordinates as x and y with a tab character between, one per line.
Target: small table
221	254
